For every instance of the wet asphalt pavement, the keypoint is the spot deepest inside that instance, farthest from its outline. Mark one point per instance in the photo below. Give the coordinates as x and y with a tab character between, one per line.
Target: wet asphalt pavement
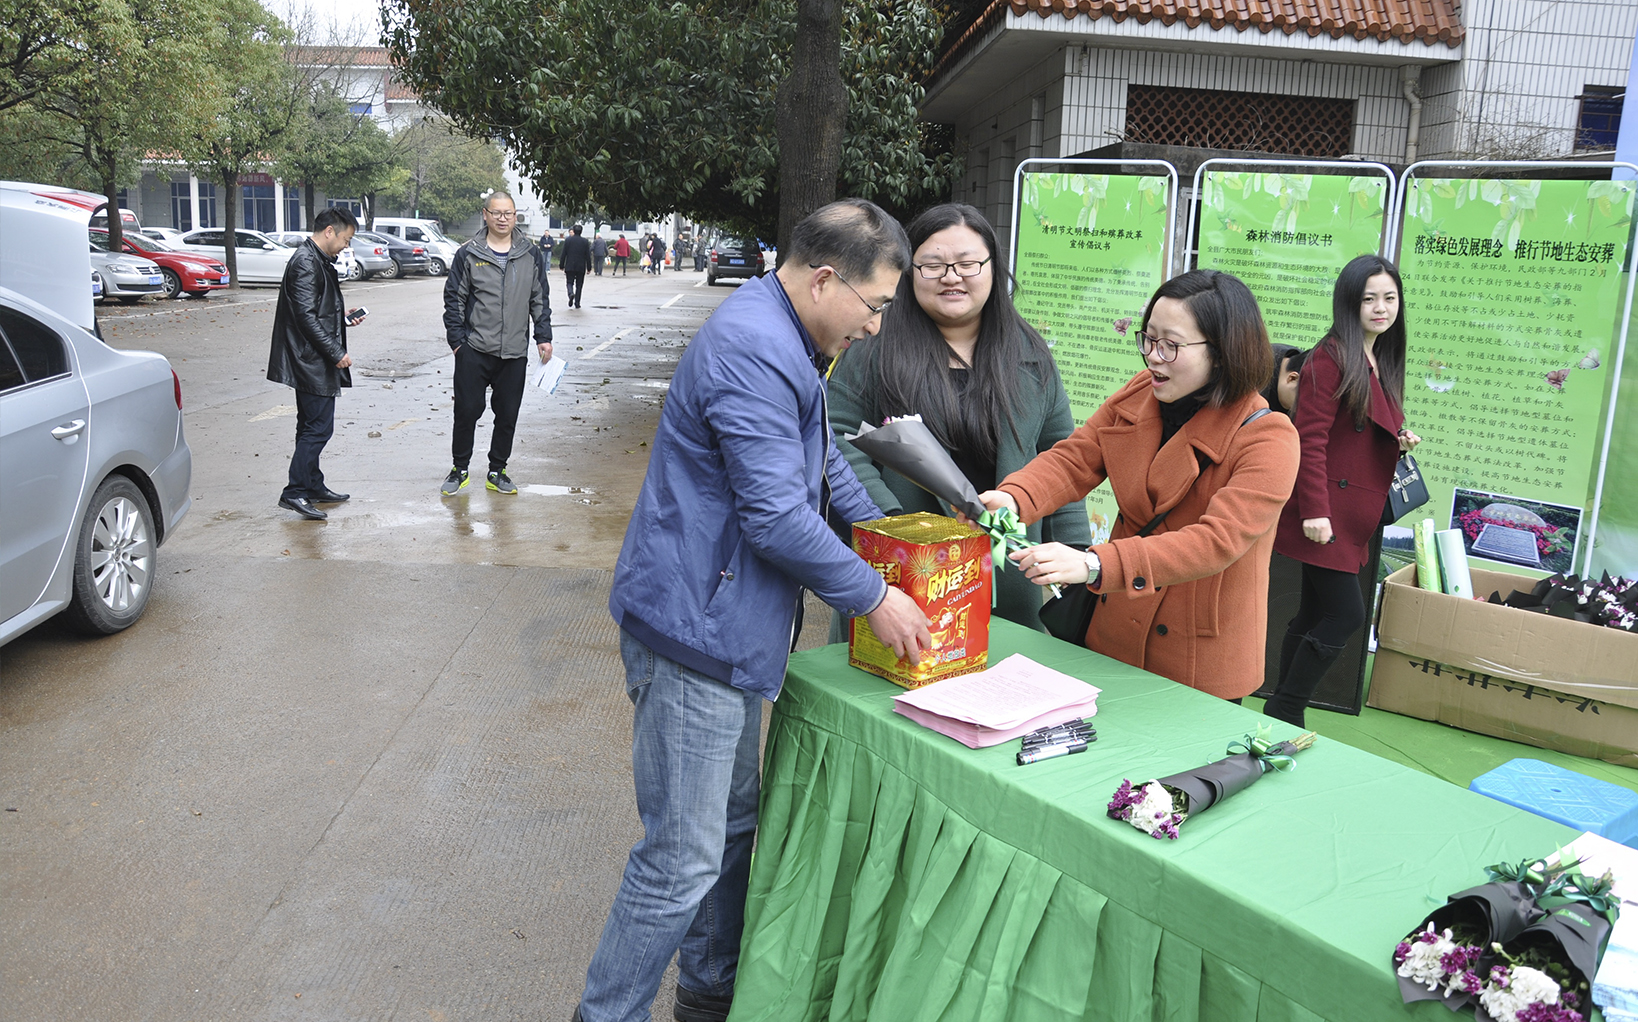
366	769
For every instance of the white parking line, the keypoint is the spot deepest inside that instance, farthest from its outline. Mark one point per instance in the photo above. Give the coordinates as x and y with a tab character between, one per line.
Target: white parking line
673	301
700	282
593	353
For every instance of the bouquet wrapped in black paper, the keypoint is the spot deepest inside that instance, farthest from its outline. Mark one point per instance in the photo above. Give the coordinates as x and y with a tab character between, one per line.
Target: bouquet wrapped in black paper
1521	948
905	445
1160	807
1612	602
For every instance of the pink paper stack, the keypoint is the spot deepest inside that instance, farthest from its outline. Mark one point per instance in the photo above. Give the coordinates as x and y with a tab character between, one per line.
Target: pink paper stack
1009	700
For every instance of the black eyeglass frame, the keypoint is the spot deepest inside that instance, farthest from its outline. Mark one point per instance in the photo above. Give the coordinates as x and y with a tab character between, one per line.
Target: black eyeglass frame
874	310
1149	342
977	264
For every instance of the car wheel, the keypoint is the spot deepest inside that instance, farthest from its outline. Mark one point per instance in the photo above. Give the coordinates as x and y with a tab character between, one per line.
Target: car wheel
128	299
437	268
113	559
710	279
173	283
392	272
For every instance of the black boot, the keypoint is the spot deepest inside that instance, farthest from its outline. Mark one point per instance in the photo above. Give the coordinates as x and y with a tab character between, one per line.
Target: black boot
1288	649
1309	662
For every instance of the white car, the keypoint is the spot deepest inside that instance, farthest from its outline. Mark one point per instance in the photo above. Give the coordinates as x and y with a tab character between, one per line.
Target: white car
261	259
162	233
347	267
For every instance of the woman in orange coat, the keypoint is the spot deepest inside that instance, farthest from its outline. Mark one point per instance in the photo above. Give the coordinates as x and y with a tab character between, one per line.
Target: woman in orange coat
1183	439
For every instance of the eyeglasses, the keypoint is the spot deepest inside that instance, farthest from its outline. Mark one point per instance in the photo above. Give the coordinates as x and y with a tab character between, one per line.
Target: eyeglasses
965	268
1168	347
498	215
875	310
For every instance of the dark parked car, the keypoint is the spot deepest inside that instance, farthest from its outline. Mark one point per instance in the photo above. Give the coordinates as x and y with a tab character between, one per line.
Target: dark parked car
734	257
406	257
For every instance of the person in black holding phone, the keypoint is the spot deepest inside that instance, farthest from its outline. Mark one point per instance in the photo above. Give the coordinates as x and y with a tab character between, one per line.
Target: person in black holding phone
309	353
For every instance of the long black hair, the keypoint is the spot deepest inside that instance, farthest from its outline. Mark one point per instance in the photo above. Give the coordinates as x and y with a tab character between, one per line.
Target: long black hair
1347	339
913	358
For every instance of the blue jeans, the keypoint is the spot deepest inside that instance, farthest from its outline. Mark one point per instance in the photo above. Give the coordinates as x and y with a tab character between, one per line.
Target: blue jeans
694	760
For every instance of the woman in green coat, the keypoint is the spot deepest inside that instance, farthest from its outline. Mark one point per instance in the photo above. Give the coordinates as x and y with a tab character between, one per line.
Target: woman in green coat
953	349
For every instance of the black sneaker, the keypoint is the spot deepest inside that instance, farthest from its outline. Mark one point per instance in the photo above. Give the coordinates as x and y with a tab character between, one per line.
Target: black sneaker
455	482
498	482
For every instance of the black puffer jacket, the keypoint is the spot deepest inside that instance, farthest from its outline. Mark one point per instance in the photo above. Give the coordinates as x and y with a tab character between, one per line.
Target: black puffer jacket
309	326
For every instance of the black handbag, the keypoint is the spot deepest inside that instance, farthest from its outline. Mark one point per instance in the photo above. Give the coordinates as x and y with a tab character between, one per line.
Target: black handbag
1409	490
1068	615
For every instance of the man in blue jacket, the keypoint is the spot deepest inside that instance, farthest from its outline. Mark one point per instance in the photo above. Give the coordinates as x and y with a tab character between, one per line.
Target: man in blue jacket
727	532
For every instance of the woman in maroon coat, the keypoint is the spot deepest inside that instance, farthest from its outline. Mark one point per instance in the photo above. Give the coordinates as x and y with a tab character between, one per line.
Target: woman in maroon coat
1350	420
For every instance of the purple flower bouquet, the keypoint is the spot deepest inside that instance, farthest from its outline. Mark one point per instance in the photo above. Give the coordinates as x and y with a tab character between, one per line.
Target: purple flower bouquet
1160	807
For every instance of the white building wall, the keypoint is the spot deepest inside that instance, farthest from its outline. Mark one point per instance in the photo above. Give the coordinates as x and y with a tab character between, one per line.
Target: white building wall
1526	63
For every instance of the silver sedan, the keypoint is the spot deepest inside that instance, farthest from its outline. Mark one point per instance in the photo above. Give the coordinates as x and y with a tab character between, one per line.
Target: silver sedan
94	472
128	278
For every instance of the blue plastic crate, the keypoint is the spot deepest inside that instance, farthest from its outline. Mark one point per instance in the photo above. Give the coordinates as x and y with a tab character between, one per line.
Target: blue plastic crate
1573	799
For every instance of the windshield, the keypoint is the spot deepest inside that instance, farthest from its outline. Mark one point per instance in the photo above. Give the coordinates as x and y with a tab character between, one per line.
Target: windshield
148	244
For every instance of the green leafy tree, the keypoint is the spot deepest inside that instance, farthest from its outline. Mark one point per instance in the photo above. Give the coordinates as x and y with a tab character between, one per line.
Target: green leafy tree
264	98
688	106
446	174
130	88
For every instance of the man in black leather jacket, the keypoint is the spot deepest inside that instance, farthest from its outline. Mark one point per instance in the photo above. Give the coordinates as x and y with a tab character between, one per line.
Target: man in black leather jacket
309	353
576	261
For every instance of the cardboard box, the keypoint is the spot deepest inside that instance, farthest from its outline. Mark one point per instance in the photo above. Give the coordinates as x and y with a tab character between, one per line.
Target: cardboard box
1518	712
1546	681
945	567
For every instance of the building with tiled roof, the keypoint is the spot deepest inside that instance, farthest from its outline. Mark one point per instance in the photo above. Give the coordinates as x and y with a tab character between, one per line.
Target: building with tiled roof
1385	80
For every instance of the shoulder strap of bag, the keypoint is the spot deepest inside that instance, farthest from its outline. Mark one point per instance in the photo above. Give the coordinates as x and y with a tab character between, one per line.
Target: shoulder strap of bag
1154	523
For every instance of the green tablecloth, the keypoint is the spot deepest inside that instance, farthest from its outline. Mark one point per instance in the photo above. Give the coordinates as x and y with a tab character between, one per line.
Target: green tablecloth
901	876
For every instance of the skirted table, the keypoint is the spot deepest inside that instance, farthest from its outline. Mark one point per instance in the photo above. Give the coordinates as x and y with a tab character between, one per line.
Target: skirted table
901	876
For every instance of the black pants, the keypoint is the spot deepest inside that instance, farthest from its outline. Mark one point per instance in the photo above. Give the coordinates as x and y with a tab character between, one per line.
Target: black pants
1332	607
597	266
619	264
574	284
504	378
315	424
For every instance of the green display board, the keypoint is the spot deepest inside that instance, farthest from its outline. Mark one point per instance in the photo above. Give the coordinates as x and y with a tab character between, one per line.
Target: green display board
1090	251
1615	549
1288	236
1513	292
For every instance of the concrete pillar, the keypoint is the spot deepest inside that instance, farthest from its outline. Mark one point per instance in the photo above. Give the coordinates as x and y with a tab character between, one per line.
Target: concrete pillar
278	206
193	197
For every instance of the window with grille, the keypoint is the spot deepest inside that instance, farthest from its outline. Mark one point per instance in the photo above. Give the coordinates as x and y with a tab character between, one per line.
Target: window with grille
1600	120
1251	122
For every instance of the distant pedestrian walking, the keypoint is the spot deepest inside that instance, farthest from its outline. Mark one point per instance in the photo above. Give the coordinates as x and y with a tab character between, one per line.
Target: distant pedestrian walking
622	253
309	353
700	249
656	253
576	260
497	287
600	254
547	243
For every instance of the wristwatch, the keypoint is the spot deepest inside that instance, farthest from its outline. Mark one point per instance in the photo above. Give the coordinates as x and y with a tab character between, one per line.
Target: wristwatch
1094	569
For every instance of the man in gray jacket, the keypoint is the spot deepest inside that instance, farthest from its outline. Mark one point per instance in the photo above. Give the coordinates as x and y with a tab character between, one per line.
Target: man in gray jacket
497	288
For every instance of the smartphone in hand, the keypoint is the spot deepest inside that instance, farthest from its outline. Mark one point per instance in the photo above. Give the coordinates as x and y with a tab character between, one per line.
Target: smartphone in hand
356	316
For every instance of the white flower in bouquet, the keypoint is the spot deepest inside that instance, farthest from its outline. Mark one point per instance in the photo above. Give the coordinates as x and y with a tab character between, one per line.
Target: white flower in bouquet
1512	990
1155	809
1423	959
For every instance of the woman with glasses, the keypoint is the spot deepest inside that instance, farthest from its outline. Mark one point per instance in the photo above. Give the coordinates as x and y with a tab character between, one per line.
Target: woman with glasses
954	350
1349	414
1200	471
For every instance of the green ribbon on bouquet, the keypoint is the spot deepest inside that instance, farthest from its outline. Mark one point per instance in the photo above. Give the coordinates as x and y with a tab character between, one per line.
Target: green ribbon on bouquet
1271	755
1006	534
